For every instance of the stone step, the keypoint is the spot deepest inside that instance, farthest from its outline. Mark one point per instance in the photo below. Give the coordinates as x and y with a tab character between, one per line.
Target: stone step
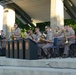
68	63
4	70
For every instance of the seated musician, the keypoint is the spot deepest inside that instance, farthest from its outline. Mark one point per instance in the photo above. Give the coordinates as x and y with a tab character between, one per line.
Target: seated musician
38	34
26	35
31	35
70	37
59	33
48	40
38	37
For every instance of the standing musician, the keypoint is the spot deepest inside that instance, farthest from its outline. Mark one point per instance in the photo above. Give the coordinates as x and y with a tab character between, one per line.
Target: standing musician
2	39
2	36
12	36
17	32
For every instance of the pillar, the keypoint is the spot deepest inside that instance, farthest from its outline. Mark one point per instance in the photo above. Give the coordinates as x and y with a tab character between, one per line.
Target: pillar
9	20
1	17
56	13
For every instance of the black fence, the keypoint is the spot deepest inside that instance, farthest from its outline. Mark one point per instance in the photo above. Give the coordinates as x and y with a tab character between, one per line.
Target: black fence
2	47
22	49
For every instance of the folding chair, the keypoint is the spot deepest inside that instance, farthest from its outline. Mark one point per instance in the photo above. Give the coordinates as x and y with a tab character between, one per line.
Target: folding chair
54	47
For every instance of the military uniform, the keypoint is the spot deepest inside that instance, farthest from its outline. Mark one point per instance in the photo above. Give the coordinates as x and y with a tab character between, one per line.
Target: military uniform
71	40
3	41
61	42
38	36
16	32
26	35
49	37
61	39
32	37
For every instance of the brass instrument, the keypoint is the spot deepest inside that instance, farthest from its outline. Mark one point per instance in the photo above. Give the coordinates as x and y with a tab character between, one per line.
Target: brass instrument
56	33
66	39
42	36
12	37
41	39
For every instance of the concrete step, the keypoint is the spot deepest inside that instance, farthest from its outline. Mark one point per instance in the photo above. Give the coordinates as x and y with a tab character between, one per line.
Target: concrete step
4	70
66	63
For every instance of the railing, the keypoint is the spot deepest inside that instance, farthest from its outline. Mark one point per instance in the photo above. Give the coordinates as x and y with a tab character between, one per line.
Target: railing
2	44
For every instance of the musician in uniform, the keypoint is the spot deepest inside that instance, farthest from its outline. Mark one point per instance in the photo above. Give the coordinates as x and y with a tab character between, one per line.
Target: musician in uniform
12	36
61	41
26	35
17	32
48	40
38	37
70	35
2	34
32	36
38	34
2	39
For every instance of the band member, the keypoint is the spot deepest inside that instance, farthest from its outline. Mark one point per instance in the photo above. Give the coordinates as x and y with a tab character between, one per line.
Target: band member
31	35
48	40
26	35
12	36
17	32
2	36
2	39
38	34
70	35
57	31
38	37
61	41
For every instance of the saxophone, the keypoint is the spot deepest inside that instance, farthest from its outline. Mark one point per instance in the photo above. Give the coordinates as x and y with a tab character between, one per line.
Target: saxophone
66	39
12	37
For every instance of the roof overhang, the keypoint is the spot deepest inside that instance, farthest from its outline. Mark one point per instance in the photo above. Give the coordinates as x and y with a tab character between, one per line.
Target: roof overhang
38	10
